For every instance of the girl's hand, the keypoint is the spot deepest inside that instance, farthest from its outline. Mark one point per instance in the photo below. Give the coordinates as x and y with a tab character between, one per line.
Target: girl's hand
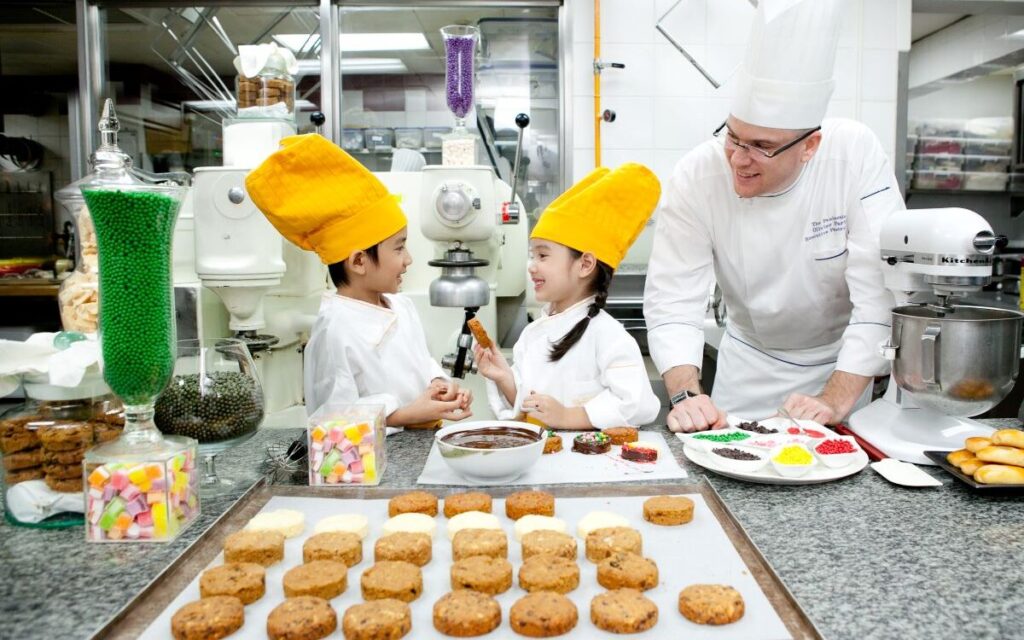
491	364
546	409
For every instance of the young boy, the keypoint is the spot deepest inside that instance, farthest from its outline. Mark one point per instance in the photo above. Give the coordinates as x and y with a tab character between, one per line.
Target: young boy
367	345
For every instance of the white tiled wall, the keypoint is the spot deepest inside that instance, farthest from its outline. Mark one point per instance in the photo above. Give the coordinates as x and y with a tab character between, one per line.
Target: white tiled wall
665	107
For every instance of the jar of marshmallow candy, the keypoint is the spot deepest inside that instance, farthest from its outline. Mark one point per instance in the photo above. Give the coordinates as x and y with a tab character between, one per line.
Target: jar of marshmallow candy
346	445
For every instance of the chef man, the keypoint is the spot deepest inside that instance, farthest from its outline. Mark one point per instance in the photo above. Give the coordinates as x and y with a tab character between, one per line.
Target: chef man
783	209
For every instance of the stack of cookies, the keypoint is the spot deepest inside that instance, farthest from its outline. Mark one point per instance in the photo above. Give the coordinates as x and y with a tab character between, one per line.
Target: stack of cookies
265	92
23	458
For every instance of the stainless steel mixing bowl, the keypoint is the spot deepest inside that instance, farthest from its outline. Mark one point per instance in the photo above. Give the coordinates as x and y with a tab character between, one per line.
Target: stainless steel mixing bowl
961	363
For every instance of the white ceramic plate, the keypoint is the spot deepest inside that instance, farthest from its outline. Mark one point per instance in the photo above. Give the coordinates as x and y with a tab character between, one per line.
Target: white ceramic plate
767	475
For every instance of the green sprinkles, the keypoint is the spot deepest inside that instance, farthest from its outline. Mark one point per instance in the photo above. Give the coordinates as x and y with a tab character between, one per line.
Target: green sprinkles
134	231
724	437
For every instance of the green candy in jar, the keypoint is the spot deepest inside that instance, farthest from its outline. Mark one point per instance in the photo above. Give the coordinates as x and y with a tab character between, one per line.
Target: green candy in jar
134	231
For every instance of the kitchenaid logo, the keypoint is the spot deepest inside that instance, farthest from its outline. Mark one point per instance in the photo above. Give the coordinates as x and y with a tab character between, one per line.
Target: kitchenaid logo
973	260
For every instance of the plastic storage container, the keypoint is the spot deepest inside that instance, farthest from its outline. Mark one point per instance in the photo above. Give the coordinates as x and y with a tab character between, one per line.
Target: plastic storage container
433	137
941	128
979	181
379	139
986	164
940	145
347	445
352	140
946	180
939	162
409	138
988	146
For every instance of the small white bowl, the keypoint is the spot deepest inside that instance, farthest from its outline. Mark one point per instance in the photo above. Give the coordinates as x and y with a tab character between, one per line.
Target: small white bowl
837	460
791	470
741	466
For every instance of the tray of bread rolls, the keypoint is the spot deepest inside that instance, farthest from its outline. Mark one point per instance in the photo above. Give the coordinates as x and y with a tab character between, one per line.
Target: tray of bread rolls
288	562
989	464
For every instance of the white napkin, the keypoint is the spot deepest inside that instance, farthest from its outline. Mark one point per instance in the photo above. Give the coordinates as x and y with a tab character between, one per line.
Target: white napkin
253	57
32	501
37	356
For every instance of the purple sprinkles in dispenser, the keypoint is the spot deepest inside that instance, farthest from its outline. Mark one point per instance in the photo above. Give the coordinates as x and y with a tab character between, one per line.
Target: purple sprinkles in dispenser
459	77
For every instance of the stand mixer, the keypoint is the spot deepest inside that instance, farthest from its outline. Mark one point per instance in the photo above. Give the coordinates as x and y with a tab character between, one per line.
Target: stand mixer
467	219
949	361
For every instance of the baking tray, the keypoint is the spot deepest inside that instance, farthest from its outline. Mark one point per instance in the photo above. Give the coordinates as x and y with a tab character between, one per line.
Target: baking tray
133	619
939	458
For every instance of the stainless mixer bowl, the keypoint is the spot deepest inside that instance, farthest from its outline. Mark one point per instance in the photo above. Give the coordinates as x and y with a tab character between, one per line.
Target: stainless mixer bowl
960	363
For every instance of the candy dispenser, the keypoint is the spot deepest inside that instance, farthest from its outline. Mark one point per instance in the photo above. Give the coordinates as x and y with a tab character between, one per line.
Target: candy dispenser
460	42
143	485
346	444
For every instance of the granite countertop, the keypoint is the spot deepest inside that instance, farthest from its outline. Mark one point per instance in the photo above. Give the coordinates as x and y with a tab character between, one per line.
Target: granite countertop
864	558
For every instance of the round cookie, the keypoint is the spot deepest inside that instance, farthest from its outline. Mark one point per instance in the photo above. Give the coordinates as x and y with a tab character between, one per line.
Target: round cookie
479	542
599	520
320	578
377	620
668	510
529	523
63	471
15	437
302	618
208	619
22	475
392	579
75	456
472	520
25	460
73	485
623	611
549	573
262	547
355	523
482	573
538	503
543	615
622	435
711	604
287	522
339	546
602	543
553	443
416	548
246	581
627	571
463	502
464	614
413	502
549	543
410	523
66	437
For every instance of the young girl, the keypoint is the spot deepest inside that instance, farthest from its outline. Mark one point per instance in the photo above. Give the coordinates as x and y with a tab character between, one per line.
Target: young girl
367	345
576	367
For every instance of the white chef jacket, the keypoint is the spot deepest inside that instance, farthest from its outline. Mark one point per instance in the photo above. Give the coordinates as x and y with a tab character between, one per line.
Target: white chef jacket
800	271
604	372
367	354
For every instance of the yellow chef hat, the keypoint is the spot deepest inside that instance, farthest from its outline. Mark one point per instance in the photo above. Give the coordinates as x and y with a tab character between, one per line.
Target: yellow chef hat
322	199
603	213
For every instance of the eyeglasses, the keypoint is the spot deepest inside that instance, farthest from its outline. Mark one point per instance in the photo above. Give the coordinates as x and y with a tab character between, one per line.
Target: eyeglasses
731	139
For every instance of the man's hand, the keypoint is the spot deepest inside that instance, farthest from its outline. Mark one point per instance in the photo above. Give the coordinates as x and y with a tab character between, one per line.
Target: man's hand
696	414
814	408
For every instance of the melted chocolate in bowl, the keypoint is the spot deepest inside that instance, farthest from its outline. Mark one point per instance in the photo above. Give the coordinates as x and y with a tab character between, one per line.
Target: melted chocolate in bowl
492	438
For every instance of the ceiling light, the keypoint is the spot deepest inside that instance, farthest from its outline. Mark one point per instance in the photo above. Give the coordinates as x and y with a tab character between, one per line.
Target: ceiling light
356	66
356	42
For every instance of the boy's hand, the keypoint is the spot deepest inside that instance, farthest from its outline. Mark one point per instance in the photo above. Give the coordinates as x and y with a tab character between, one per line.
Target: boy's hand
491	364
427	408
448	390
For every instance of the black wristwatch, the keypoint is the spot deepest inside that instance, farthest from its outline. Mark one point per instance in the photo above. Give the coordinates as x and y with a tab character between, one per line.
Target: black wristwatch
679	397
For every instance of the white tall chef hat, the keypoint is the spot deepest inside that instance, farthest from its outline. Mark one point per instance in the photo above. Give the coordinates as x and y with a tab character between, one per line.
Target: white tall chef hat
785	81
